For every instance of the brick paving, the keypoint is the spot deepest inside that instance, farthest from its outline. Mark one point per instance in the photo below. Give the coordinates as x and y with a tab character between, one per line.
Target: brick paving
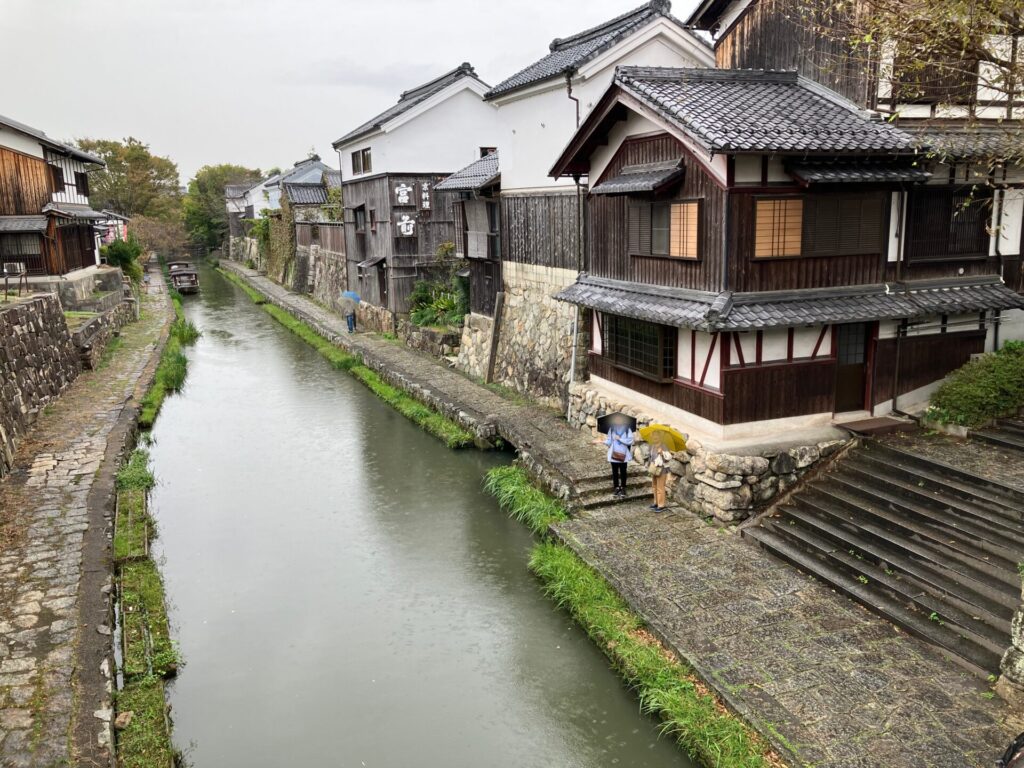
830	684
45	520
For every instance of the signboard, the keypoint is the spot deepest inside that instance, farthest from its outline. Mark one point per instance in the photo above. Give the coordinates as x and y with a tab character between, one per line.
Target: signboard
405	225
426	189
404	193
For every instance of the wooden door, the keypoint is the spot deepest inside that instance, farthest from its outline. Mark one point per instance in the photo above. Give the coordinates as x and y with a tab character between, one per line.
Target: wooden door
852	342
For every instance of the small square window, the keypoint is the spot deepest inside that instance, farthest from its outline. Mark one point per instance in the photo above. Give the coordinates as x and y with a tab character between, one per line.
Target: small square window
779	225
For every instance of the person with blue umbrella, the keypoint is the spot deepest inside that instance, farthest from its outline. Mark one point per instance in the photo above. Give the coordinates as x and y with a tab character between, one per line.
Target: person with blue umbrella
618	428
349	303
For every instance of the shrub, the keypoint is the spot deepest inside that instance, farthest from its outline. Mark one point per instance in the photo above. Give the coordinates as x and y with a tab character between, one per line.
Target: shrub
124	254
988	388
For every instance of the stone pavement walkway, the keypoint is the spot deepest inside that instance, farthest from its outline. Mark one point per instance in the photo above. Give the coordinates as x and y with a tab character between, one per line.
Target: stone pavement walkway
830	684
46	520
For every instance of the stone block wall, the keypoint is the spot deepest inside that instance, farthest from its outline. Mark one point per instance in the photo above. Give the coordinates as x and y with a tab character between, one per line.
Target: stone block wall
371	317
1011	684
535	341
37	362
725	486
328	275
434	341
475	345
92	338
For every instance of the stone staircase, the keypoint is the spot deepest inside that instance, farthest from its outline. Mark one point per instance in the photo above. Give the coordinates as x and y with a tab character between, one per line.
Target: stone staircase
1005	433
595	491
927	546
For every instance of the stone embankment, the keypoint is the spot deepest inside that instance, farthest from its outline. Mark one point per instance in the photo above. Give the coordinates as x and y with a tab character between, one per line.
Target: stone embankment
55	517
822	679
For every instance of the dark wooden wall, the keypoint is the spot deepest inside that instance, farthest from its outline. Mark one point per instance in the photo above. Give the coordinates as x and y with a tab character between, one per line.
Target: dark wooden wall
770	35
25	184
542	230
702	402
778	391
923	360
608	253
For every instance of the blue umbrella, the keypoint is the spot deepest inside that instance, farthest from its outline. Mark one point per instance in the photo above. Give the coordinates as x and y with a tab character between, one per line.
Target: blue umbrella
351	295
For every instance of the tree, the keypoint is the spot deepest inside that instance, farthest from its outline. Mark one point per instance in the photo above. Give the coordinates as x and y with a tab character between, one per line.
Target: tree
135	181
205	214
164	236
945	51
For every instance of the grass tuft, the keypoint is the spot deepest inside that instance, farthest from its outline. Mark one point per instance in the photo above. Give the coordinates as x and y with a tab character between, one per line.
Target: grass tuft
521	499
436	424
690	712
146	742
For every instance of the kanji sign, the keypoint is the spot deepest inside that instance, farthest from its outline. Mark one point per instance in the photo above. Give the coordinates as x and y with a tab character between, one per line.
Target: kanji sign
405	226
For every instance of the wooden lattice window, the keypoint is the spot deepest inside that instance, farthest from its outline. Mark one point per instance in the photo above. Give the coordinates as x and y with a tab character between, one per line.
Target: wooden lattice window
665	229
645	348
778	228
844	224
948	224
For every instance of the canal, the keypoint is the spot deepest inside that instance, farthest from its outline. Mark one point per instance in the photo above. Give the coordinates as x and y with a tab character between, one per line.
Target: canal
344	593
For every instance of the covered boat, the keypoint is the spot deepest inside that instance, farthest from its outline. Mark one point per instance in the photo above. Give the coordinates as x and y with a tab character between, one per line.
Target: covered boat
185	279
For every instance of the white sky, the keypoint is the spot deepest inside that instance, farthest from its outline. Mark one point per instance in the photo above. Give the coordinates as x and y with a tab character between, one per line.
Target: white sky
256	82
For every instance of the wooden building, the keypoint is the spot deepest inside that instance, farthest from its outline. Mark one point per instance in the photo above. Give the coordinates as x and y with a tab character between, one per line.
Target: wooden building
764	254
46	224
396	222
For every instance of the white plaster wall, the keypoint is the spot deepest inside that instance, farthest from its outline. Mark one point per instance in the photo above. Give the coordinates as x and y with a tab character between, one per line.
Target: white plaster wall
596	339
684	356
774	344
896	226
634	125
1007	239
748	343
805	339
537	127
1011	327
713	379
19	142
446	137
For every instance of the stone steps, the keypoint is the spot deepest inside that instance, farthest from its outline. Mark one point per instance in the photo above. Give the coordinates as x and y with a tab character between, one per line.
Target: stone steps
1005	433
929	547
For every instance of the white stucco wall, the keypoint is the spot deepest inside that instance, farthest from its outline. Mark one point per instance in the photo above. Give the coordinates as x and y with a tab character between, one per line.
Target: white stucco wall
537	123
19	142
444	137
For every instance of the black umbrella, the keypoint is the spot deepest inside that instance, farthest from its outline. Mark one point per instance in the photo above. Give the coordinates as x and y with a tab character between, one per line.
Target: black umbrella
609	420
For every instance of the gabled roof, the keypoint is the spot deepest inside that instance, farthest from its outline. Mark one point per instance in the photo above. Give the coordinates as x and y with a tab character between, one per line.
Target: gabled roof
236	190
410	99
305	194
752	110
648	177
46	141
568	54
73	211
310	170
478	174
779	309
708	13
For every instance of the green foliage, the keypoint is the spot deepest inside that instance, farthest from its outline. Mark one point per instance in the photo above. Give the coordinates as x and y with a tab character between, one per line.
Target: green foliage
441	427
205	215
988	388
146	742
333	209
135	472
135	182
173	365
444	303
521	499
666	687
124	254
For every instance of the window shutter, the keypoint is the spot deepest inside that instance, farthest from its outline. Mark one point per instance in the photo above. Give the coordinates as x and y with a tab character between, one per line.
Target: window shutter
640	229
82	183
57	174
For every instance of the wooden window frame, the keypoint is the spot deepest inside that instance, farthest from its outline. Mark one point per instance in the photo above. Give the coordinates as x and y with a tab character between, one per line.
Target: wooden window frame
82	183
649	207
359	219
362	162
945	256
771	199
667	349
373	220
57	177
493	230
808	244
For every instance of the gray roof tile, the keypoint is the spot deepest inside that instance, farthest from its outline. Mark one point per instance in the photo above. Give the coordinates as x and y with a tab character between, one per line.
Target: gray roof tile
477	174
22	223
648	177
410	99
977	142
750	311
856	173
46	141
761	111
305	194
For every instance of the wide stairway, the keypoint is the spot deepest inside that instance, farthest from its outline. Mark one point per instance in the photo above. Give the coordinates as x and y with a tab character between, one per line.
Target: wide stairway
1005	433
929	547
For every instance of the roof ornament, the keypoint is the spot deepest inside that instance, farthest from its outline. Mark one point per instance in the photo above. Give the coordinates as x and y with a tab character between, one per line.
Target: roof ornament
661	6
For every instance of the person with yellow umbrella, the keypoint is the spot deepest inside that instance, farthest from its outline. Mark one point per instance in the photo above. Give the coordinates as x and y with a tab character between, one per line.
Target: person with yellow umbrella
664	441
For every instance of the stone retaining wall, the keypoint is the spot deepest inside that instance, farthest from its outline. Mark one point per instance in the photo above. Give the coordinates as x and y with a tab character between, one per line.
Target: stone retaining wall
370	317
329	276
535	340
475	345
92	338
728	487
1011	683
434	341
37	362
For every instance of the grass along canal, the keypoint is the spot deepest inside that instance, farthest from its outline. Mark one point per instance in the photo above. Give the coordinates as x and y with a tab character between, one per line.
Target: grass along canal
342	589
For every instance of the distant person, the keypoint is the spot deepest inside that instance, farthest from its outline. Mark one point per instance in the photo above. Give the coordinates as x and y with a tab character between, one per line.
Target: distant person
619	442
348	308
350	318
657	468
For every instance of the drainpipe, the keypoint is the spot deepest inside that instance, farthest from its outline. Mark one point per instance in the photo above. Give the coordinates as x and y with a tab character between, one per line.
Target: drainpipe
900	239
568	91
1000	205
579	269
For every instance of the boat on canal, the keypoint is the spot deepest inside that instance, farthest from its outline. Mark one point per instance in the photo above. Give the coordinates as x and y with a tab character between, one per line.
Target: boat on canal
184	277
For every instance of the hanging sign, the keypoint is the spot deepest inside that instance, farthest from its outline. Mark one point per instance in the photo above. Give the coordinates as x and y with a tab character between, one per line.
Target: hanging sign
425	192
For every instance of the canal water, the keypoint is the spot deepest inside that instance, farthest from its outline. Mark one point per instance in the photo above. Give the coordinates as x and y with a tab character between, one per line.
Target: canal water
344	593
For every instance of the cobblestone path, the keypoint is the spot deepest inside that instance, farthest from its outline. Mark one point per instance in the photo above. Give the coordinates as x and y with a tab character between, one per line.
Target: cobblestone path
829	683
44	519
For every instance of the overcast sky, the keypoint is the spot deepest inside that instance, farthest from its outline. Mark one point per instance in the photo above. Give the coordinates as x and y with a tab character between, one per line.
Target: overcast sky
256	82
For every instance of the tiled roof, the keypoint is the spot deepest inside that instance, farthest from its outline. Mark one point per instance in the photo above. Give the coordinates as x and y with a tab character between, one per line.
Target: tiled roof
750	110
22	223
649	177
306	194
750	311
46	141
236	190
972	142
332	178
569	53
410	99
856	173
476	175
73	211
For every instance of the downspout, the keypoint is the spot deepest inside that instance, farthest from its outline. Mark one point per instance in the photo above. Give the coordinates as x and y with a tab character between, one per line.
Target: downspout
1000	205
900	239
579	257
568	91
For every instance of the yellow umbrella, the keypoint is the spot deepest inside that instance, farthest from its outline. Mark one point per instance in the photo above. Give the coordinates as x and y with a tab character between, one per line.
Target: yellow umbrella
672	439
